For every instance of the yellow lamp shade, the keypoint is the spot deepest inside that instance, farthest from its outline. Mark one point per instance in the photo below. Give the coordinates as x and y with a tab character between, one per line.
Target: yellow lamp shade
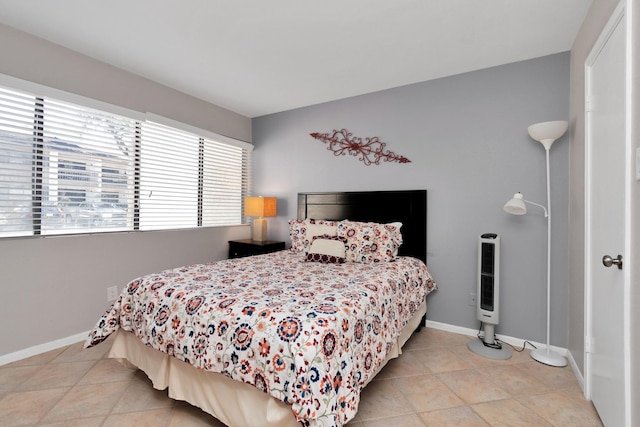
260	206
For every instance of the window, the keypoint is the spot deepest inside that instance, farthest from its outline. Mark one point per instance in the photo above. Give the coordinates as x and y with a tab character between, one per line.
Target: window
66	168
169	177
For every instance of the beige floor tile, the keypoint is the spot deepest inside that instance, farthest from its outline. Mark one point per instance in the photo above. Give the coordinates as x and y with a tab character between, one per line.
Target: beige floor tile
445	339
426	393
421	340
87	400
141	396
462	416
411	420
152	418
513	380
185	415
473	387
75	353
478	361
27	407
575	393
552	377
406	393
559	410
508	413
38	360
11	378
408	364
108	371
56	375
520	356
381	399
80	422
441	360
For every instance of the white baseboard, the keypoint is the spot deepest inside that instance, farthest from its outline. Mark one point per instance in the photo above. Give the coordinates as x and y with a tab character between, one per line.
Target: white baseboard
576	370
42	348
516	342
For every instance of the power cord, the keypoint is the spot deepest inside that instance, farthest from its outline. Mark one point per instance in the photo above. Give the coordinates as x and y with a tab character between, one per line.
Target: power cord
515	349
496	345
498	342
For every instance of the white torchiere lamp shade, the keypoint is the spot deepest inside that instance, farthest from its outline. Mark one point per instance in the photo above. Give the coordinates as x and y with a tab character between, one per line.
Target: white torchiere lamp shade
260	207
545	133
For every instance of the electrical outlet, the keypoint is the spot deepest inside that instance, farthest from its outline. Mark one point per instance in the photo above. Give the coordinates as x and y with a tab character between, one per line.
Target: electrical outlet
112	293
472	299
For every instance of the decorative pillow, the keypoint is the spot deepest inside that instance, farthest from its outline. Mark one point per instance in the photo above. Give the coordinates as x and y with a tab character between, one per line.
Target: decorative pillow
397	225
327	249
319	229
396	236
370	241
302	231
297	232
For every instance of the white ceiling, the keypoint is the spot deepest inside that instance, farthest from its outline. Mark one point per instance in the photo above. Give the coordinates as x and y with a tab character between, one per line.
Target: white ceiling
264	56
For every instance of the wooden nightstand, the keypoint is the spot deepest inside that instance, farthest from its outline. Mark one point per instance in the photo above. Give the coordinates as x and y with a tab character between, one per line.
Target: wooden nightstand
248	247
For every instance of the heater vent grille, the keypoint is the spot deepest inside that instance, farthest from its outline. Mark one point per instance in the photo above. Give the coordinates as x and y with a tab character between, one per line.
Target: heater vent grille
488	278
486	292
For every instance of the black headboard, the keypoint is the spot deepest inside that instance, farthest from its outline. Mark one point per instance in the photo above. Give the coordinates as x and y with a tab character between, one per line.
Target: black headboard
408	207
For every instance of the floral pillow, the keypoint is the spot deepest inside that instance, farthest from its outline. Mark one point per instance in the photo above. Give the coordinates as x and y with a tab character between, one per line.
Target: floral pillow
297	233
369	241
327	249
302	231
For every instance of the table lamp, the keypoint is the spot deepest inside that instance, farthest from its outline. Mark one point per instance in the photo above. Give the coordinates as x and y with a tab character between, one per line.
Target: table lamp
260	207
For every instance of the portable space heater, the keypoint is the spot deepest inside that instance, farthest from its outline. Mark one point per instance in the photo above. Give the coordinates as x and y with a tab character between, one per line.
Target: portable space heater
488	298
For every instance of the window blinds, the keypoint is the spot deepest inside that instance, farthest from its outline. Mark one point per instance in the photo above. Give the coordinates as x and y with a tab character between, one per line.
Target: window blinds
16	162
66	169
168	178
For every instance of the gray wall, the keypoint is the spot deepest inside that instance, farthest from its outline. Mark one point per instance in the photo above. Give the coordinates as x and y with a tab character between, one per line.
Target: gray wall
31	58
467	139
55	287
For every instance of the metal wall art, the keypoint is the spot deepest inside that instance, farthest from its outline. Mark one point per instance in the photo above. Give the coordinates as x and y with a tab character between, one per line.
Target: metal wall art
371	151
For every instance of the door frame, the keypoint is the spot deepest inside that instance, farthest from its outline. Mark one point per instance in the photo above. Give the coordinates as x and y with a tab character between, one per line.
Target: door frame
619	14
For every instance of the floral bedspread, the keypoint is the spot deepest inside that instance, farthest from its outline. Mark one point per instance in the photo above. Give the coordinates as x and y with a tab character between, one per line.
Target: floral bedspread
309	334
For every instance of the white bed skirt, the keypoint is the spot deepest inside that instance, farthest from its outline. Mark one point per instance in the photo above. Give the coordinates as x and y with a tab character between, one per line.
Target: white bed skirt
234	403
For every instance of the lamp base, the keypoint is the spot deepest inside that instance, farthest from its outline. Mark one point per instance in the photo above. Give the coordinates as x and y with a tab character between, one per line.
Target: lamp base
550	357
259	230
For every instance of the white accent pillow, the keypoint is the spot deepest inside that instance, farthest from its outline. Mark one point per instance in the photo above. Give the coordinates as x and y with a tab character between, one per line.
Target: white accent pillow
327	249
314	230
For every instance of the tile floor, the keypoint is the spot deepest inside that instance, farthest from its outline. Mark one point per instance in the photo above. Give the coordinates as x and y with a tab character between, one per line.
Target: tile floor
436	382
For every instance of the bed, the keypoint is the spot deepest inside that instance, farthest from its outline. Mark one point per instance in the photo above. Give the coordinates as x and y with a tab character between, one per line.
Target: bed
288	338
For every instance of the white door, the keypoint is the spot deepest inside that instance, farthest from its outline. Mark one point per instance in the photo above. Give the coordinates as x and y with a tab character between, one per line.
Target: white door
606	332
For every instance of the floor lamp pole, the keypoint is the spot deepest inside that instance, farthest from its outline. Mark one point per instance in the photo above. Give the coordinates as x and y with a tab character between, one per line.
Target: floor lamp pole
548	356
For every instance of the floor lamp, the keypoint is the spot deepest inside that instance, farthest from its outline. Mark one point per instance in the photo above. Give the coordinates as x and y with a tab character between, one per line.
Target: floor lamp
545	133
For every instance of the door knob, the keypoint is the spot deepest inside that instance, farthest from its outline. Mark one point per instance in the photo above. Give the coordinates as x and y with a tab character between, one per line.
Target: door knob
608	261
